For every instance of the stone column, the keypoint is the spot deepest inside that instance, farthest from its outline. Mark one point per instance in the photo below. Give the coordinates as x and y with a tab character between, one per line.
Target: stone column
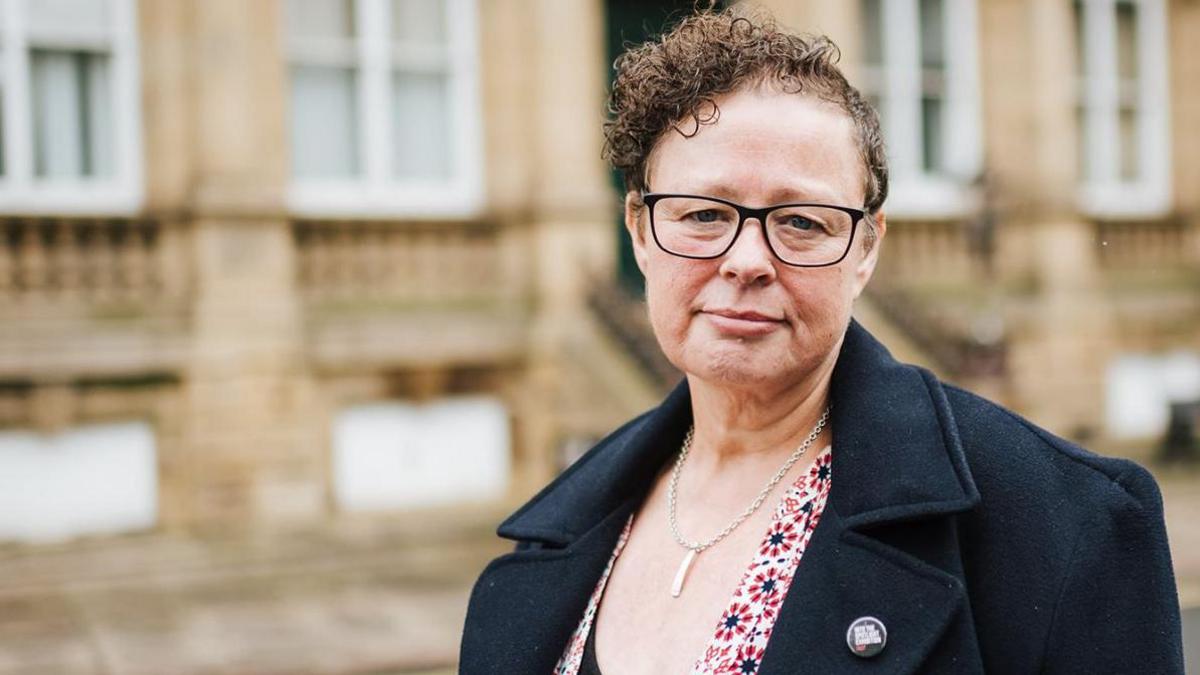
570	224
1183	33
1058	356
250	449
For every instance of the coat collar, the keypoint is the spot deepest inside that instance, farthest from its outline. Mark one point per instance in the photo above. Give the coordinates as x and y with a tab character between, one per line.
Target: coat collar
897	454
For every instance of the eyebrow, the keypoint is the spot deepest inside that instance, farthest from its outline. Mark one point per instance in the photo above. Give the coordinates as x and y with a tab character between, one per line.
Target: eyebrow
784	195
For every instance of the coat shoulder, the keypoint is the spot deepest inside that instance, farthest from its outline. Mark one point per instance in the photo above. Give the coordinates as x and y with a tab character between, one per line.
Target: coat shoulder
1055	535
1011	455
571	475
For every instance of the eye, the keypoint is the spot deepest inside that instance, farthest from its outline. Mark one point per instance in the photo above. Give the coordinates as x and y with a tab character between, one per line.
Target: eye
707	216
800	222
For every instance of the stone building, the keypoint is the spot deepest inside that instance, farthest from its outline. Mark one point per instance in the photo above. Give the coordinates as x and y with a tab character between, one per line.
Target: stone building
267	262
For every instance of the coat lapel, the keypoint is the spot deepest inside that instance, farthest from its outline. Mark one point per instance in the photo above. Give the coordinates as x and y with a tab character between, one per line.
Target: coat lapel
844	576
527	604
884	547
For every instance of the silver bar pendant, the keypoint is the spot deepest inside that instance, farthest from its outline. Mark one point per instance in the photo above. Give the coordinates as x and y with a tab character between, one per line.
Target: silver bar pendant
677	586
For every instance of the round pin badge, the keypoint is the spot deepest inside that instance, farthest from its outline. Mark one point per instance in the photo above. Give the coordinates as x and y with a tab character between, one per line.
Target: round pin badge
866	636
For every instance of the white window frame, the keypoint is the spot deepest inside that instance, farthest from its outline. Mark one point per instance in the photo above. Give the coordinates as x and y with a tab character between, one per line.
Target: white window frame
378	192
22	192
914	192
1105	194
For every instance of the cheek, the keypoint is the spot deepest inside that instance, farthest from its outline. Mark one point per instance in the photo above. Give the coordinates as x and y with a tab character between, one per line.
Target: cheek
822	302
672	287
822	291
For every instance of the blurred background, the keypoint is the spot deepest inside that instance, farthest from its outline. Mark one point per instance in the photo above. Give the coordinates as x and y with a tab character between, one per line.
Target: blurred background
298	298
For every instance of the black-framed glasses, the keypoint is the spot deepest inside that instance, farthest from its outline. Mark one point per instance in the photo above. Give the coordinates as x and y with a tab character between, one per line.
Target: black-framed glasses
800	234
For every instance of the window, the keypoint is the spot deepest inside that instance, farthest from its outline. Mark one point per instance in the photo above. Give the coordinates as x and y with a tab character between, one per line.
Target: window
69	107
1140	389
1121	63
396	454
927	93
384	115
93	479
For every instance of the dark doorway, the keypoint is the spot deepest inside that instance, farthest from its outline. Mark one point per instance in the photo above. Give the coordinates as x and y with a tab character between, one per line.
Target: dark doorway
632	22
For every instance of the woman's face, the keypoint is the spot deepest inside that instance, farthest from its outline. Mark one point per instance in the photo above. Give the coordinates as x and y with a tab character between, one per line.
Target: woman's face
746	319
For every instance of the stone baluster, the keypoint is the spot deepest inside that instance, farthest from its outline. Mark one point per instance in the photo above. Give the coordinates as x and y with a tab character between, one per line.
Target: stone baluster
372	260
106	282
170	261
300	240
355	268
1192	239
918	248
357	274
119	237
962	247
475	264
375	260
481	273
7	262
331	232
450	254
342	261
323	264
67	261
397	247
425	279
412	262
906	252
139	245
1145	245
454	254
407	263
929	251
1118	246
1141	244
944	253
32	261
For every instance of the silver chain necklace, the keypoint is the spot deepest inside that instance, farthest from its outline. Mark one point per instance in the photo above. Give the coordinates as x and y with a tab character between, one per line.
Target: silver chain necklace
696	548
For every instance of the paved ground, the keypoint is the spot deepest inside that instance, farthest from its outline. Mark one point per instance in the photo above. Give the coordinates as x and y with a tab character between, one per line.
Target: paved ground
364	597
1191	639
360	599
1181	500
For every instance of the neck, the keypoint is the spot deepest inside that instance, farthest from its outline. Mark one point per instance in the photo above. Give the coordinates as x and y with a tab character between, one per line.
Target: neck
745	426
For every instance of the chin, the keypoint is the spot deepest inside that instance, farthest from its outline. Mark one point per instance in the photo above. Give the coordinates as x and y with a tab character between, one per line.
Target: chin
733	364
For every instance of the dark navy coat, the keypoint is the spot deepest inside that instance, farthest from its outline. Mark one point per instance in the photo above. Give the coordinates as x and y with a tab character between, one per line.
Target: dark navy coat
982	542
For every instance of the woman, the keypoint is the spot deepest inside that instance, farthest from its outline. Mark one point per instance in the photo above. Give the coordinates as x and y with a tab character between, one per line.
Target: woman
802	502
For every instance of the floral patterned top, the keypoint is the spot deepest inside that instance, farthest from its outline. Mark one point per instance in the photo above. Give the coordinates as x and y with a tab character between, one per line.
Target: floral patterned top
740	637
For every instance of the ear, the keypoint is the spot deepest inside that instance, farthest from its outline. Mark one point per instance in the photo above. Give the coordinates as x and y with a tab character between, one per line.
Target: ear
636	222
866	266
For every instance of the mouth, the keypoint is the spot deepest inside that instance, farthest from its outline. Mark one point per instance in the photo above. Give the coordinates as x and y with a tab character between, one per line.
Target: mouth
742	323
743	315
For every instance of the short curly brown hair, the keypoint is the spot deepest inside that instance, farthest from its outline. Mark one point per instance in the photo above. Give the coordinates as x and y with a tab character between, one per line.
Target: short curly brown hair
710	53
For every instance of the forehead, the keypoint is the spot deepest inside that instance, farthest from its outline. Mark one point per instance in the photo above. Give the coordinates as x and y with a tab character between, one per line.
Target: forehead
764	147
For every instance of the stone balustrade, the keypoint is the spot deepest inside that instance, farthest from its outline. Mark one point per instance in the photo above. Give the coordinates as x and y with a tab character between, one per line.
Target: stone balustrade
90	297
1172	242
401	294
405	263
935	251
86	263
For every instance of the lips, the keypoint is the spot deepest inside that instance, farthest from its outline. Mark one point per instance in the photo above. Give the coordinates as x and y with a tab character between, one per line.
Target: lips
742	323
743	315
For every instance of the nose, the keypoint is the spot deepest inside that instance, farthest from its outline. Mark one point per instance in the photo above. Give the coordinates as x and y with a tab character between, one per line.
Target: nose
750	261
